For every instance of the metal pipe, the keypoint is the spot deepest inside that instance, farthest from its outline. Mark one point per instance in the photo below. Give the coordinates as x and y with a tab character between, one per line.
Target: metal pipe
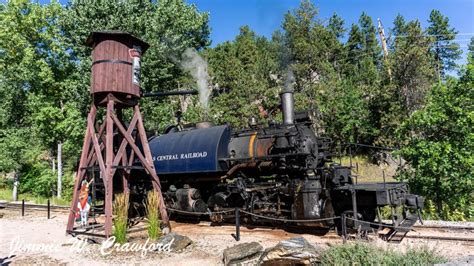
288	107
354	205
237	224
49	210
238	167
23	207
343	227
169	93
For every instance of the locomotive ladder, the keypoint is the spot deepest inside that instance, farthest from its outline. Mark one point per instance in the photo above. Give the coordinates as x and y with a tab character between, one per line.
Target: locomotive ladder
396	234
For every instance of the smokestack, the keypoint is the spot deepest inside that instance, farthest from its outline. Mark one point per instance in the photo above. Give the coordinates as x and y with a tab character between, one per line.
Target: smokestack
288	107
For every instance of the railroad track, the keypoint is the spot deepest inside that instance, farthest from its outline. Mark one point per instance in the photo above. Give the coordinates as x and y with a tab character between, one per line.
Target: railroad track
446	227
416	228
442	238
443	229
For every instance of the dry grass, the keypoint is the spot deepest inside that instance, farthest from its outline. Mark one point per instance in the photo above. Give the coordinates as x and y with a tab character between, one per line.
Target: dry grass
121	205
152	213
368	172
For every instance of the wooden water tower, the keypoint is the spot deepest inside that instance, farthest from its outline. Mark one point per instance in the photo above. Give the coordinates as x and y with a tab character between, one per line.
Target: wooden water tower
115	85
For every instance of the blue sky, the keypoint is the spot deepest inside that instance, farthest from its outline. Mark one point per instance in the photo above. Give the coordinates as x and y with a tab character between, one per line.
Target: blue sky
265	16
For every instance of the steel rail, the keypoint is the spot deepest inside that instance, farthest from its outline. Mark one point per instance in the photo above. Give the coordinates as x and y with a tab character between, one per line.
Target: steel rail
443	238
448	227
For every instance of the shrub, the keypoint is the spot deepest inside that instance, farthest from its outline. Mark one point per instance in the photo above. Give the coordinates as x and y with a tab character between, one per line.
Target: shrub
365	254
120	208
152	214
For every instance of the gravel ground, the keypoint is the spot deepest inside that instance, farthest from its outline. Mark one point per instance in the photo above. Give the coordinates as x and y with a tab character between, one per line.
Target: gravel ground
447	223
209	242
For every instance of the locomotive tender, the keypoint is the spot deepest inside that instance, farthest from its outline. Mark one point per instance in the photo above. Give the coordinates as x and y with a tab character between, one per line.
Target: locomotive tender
282	171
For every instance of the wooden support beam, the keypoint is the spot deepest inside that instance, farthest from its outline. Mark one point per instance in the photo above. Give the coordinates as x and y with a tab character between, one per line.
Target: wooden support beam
109	159
132	144
144	161
123	145
97	149
81	172
154	175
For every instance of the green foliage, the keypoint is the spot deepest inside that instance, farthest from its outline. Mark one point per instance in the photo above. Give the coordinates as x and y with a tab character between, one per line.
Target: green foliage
243	70
365	254
336	25
6	194
439	144
445	51
412	77
46	72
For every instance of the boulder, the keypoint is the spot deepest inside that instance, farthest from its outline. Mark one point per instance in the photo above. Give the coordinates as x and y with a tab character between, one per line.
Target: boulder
243	254
179	241
293	251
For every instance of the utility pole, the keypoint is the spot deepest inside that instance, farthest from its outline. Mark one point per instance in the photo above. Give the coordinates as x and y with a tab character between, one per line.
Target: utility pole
16	182
60	169
383	40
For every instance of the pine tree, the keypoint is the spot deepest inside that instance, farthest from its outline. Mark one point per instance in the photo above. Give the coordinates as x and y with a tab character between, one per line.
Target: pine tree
370	44
399	27
445	50
354	44
242	70
413	75
336	26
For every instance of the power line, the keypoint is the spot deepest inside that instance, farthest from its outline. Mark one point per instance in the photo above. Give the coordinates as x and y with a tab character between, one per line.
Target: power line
437	35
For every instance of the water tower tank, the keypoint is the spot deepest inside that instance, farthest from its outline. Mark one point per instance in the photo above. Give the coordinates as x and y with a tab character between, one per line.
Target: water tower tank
116	63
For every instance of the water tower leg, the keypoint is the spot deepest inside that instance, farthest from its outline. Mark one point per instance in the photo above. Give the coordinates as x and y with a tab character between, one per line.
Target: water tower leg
81	169
109	158
149	161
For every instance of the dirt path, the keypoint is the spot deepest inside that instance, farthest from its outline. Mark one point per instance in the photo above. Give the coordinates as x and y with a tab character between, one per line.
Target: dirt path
209	242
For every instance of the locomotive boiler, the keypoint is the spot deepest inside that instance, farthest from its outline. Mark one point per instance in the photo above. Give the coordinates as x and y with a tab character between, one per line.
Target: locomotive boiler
282	171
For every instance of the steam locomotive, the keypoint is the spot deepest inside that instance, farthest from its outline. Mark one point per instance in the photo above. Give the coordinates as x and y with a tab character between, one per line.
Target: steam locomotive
283	171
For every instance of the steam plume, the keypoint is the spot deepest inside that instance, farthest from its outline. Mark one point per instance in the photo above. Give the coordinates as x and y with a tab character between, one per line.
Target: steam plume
197	66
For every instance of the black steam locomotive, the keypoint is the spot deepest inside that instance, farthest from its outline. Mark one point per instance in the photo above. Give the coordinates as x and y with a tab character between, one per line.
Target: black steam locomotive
283	171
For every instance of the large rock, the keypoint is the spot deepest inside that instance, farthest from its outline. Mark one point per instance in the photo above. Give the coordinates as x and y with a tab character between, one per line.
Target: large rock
294	251
179	242
243	254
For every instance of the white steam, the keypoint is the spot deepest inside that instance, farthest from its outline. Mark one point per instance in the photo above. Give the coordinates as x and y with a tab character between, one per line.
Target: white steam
197	66
289	80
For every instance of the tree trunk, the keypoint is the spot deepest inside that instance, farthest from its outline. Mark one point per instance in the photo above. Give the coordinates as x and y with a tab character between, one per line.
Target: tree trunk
60	169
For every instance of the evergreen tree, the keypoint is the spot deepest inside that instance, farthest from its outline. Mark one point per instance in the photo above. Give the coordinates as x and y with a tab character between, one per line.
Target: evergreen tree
369	32
242	70
399	27
336	26
354	44
445	50
413	75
